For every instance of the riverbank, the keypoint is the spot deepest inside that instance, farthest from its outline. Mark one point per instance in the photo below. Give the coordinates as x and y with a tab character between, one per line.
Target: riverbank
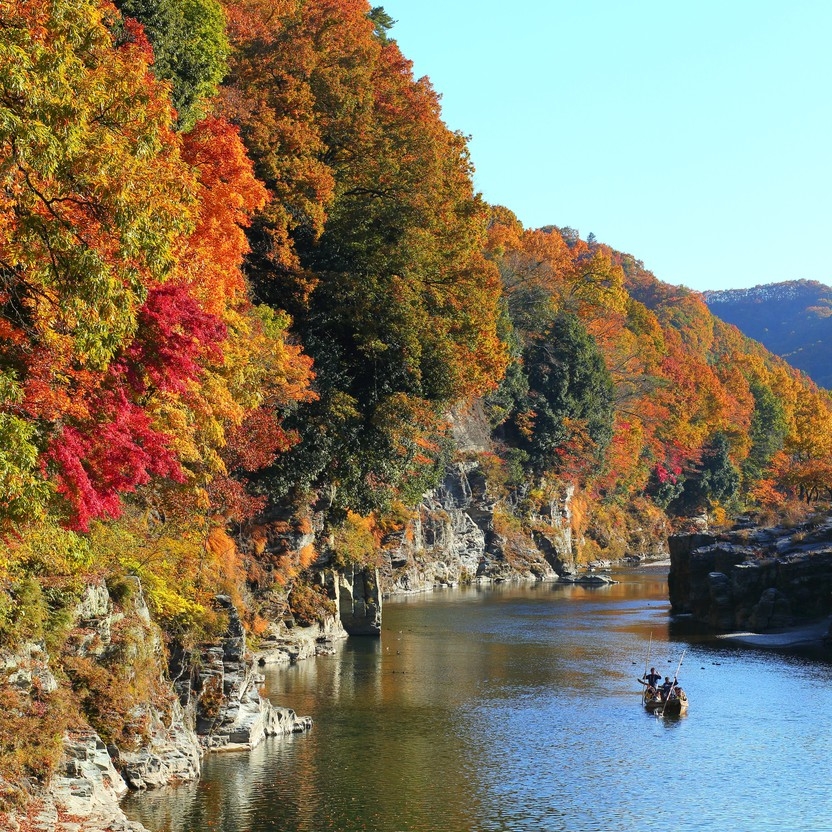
155	716
813	634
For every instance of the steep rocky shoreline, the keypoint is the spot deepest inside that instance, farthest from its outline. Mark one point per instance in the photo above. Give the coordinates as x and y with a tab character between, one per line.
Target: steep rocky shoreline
217	706
762	580
211	692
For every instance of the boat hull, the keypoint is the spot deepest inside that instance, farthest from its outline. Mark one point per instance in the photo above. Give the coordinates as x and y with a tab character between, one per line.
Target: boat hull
674	707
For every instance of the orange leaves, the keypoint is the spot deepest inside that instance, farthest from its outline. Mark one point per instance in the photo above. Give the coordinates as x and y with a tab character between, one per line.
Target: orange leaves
625	470
229	194
809	479
528	259
681	377
288	60
256	442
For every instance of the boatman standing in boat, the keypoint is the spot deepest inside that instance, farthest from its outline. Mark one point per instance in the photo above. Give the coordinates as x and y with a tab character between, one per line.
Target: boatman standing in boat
652	678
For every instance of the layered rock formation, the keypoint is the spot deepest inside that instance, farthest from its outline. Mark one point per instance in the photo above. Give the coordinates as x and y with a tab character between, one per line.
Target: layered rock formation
216	706
85	792
454	540
286	643
224	690
759	580
170	750
358	600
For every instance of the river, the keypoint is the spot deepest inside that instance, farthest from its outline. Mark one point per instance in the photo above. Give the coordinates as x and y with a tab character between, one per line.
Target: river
516	709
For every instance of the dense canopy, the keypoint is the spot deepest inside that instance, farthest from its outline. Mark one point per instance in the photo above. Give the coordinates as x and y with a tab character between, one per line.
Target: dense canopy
245	278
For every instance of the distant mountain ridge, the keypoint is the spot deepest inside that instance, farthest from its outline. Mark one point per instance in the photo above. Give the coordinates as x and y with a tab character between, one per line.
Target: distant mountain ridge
793	319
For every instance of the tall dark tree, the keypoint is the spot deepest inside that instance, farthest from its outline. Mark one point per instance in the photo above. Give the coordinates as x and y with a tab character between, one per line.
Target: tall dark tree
767	433
717	479
382	21
569	406
373	242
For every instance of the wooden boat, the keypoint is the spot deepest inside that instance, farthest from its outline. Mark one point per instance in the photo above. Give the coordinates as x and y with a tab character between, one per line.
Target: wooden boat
675	706
651	698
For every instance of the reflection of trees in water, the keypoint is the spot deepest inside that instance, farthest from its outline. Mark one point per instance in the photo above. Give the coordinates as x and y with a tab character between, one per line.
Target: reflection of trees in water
411	730
163	810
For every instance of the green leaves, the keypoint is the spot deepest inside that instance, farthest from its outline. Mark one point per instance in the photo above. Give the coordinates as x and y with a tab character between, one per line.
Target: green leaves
768	432
190	48
25	492
570	396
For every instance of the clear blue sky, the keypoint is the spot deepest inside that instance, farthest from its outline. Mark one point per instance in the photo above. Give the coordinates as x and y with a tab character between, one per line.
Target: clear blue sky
696	136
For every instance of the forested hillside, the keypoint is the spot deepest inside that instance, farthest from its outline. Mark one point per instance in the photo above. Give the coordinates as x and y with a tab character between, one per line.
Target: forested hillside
244	278
792	319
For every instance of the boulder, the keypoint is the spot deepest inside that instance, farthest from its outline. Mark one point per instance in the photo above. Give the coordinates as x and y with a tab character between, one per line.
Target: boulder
773	611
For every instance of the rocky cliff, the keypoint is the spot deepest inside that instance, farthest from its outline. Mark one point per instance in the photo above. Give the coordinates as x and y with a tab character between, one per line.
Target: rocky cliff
223	690
164	730
461	535
754	579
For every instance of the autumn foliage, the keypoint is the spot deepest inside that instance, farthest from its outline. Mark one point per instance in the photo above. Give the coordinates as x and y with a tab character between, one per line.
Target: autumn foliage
699	416
244	274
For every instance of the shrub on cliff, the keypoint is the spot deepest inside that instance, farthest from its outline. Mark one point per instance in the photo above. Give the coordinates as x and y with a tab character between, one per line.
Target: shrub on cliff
310	604
31	739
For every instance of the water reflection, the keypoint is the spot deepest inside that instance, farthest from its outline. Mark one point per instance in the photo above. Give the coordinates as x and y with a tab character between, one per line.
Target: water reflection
517	708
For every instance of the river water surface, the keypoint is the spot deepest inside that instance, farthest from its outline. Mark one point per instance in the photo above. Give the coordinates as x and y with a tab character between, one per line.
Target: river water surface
517	709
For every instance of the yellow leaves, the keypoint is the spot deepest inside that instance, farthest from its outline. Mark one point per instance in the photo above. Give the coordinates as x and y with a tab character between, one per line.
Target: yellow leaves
342	407
181	564
525	421
91	172
356	541
49	550
810	434
284	372
169	606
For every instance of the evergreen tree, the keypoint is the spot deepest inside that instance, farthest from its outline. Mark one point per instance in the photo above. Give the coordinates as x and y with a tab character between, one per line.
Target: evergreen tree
570	398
